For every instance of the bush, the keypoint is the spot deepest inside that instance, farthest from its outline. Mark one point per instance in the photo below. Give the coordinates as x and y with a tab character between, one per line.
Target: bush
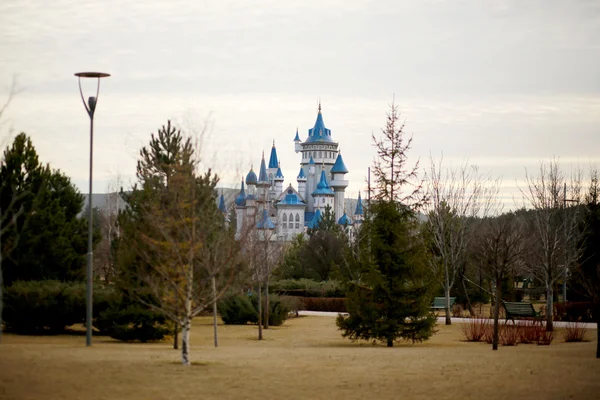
241	309
308	288
509	335
475	329
545	337
331	304
49	307
530	331
574	311
574	331
237	310
128	320
131	322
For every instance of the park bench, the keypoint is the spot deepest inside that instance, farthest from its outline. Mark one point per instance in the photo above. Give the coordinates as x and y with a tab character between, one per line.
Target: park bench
439	303
519	310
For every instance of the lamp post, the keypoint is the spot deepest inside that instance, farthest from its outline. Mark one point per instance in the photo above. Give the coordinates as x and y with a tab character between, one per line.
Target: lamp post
566	269
90	107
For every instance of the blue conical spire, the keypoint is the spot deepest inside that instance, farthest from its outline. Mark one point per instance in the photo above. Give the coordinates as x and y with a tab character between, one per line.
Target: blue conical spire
319	133
359	206
240	199
222	207
339	167
313	223
297	138
311	161
279	174
273	163
262	176
345	220
323	187
301	175
265	222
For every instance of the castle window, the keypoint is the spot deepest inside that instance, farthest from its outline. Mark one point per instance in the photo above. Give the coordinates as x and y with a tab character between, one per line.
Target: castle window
284	225
291	219
284	218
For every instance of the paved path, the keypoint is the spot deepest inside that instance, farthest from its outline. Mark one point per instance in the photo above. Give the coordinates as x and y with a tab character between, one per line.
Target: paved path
441	320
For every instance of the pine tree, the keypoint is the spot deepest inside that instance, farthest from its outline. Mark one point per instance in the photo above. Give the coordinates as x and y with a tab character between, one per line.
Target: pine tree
390	299
48	239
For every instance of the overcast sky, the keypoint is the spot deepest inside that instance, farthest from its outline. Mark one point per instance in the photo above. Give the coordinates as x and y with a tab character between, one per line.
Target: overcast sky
502	83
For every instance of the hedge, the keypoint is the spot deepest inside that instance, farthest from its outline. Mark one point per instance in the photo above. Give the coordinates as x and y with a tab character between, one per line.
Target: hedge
308	288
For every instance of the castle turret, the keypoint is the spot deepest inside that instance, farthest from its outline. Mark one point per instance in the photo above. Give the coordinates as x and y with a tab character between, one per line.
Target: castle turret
250	200
272	171
278	180
263	185
310	184
323	195
297	142
301	182
339	185
240	211
358	212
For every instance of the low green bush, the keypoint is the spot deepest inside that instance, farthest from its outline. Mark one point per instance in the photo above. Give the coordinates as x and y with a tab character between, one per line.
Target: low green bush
331	304
308	288
131	322
49	307
241	309
237	310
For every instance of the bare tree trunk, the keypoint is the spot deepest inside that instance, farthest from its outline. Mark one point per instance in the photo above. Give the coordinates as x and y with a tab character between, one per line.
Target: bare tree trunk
549	308
469	305
447	294
215	333
598	338
185	341
1	292
260	335
498	299
267	308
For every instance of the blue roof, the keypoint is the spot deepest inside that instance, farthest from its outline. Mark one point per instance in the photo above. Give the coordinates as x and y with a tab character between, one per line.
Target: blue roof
301	175
359	207
278	175
311	161
251	178
273	159
262	176
345	220
319	133
265	222
297	138
291	198
314	222
240	199
323	187
339	167
222	207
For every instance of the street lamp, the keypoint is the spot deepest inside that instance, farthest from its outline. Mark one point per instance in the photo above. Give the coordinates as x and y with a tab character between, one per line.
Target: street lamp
90	107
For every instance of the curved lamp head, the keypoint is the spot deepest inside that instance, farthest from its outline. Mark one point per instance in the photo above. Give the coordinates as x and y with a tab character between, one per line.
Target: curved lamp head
90	106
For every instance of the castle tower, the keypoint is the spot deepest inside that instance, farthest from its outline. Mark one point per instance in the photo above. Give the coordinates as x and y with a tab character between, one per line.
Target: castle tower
297	143
263	186
310	183
278	181
323	196
240	211
359	215
272	171
250	199
339	185
301	182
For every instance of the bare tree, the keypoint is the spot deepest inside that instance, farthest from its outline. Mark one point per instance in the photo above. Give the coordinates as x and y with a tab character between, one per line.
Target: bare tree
499	246
553	230
108	224
459	198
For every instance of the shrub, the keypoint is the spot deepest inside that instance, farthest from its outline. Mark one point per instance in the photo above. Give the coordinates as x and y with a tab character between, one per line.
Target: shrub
237	310
475	329
488	335
545	337
133	322
308	288
457	310
530	331
43	307
574	311
331	304
574	331
241	309
509	335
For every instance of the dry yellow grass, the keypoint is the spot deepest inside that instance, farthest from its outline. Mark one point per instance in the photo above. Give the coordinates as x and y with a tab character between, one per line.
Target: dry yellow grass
304	359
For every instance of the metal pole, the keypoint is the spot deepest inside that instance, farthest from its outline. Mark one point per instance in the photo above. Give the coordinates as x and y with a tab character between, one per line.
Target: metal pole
214	290
90	255
564	287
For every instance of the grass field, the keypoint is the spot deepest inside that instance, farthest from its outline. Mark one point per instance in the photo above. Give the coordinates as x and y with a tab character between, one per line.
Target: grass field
306	358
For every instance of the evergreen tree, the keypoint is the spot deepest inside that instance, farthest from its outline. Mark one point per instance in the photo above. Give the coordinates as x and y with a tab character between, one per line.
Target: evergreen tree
391	297
47	240
589	268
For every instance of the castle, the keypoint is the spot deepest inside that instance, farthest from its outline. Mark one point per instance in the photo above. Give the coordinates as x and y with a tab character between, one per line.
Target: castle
280	214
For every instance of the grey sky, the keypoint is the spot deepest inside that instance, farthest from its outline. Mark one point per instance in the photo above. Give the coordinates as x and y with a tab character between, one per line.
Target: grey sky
504	83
